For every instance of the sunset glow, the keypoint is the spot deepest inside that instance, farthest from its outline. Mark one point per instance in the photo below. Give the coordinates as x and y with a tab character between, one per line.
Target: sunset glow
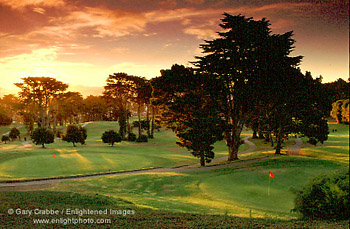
82	42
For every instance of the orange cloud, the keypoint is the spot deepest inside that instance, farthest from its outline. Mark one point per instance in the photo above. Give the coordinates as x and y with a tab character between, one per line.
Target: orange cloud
95	22
195	2
202	33
21	4
168	3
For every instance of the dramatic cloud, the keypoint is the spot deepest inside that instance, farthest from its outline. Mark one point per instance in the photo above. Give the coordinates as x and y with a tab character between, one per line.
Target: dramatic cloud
85	41
21	4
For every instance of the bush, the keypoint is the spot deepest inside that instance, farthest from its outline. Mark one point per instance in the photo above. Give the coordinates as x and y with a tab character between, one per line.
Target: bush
14	133
42	136
325	197
142	138
131	137
111	137
75	134
5	138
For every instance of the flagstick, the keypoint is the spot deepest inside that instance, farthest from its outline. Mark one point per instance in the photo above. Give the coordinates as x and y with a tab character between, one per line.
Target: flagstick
268	188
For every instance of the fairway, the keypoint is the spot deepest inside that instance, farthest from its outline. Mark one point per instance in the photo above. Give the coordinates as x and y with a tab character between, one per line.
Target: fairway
18	161
239	190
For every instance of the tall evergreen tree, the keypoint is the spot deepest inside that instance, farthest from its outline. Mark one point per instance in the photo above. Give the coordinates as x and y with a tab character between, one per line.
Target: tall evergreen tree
120	90
189	110
242	61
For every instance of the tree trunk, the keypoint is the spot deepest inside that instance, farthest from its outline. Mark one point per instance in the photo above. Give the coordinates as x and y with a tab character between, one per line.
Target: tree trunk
271	139
278	147
147	118
261	136
42	117
202	161
54	122
232	141
255	135
43	145
279	142
74	144
139	116
152	122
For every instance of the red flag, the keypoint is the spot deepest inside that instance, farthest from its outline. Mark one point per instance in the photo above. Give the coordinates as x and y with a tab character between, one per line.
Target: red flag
271	174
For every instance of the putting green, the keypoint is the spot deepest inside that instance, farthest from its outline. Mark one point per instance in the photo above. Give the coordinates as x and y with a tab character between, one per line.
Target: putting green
239	192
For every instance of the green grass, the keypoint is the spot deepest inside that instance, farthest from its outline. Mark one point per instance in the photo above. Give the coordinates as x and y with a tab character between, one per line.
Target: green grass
233	191
19	162
142	217
336	148
5	129
240	190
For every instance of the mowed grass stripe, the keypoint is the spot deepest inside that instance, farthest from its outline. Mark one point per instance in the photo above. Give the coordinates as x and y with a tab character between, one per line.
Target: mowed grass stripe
19	162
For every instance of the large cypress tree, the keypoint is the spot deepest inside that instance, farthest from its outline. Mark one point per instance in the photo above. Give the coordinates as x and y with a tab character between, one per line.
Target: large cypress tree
244	60
189	110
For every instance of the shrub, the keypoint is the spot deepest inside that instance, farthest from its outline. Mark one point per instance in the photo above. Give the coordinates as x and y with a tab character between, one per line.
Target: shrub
5	138
131	137
111	137
142	138
42	136
14	133
75	134
325	197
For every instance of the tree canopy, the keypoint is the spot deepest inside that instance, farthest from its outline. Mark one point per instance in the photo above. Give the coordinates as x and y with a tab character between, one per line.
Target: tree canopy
14	133
42	136
242	61
188	110
111	137
40	92
75	134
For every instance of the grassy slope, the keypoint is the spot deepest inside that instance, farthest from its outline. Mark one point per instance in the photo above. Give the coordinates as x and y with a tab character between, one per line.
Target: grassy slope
143	218
236	191
18	161
336	148
225	191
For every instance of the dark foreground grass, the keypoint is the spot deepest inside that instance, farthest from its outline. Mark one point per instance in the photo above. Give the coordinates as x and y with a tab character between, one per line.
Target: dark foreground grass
137	217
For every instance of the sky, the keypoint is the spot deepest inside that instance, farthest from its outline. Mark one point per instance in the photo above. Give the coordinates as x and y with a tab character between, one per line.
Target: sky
81	42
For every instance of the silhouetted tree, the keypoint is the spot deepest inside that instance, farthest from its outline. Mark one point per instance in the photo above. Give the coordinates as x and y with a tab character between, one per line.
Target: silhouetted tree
5	138
42	136
40	91
111	137
242	61
14	133
120	90
75	134
338	89
95	108
189	110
